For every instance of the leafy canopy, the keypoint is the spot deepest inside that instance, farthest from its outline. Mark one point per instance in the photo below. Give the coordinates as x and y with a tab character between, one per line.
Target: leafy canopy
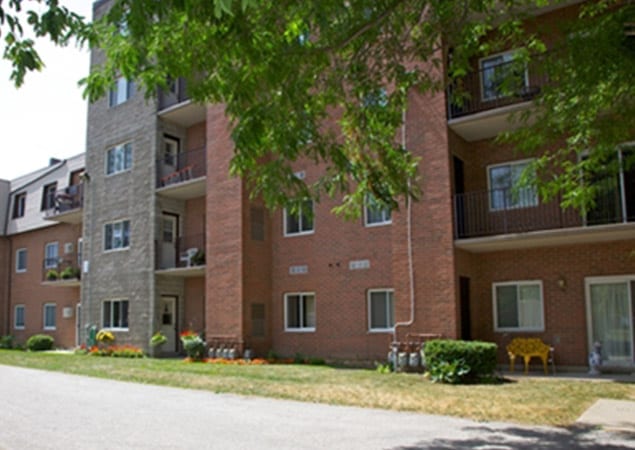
329	80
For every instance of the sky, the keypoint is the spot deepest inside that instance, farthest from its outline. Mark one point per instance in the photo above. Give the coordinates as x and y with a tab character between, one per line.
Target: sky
46	116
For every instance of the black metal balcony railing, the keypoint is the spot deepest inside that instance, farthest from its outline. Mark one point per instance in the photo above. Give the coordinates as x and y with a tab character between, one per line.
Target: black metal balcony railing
186	251
58	269
67	199
497	212
175	94
494	87
174	169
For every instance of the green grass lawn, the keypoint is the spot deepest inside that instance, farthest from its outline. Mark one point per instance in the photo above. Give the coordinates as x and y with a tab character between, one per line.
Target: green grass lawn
528	400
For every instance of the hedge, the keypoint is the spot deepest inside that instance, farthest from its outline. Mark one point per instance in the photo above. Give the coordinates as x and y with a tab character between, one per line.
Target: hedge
450	361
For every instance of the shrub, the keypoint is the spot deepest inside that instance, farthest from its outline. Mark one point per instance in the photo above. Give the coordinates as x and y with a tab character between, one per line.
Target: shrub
39	342
456	362
6	342
69	273
193	345
117	351
52	275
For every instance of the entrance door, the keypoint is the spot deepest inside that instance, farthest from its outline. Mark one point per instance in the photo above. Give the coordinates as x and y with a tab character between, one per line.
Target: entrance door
610	315
78	323
167	310
170	156
169	223
464	294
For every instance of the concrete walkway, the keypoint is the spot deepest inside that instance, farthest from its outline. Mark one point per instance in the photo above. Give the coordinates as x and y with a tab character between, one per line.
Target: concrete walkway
614	415
49	410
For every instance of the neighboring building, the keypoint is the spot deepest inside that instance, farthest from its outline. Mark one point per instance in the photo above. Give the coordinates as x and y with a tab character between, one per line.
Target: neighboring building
171	242
40	252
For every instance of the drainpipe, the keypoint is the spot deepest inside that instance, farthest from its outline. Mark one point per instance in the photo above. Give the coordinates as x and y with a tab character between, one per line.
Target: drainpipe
409	238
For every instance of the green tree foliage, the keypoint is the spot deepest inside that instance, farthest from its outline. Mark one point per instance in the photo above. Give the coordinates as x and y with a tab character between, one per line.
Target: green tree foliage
329	80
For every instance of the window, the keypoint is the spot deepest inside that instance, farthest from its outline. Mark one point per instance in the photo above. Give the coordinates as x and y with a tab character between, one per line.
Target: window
117	235
518	306
375	214
115	314
381	310
501	76
51	255
48	196
121	91
19	205
504	186
20	260
299	312
18	317
300	222
50	310
119	158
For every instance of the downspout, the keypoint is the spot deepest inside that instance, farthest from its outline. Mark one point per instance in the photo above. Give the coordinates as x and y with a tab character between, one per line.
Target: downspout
409	238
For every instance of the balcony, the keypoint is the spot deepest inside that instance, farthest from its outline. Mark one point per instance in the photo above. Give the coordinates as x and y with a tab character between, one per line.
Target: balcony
183	257
182	176
489	95
68	205
59	272
500	219
175	106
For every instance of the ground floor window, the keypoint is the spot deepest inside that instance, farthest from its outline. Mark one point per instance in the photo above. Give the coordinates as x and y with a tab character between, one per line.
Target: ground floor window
115	314
18	318
299	311
50	311
518	306
381	310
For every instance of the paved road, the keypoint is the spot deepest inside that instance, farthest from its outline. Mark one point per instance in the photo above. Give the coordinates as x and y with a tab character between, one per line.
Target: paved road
47	410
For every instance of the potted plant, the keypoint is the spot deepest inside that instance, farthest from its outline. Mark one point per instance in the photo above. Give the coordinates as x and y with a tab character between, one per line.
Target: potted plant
69	273
157	340
52	275
193	345
199	258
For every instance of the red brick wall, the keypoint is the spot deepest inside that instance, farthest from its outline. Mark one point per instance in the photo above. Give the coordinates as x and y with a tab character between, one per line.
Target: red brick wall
194	304
564	308
5	269
27	288
224	243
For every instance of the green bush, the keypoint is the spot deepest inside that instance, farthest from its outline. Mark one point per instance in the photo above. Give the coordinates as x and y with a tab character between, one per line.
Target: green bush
39	342
6	342
455	362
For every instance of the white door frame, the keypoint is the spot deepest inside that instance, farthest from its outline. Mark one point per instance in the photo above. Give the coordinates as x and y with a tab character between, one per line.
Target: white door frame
588	281
171	345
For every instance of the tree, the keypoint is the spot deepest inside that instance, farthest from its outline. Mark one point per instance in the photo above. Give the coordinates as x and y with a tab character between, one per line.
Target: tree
329	80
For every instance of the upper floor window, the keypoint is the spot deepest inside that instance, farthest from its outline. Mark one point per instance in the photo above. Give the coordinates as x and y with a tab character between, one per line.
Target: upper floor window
117	235
119	158
19	205
518	306
505	189
121	91
300	222
48	196
299	312
381	310
20	260
501	76
375	214
51	255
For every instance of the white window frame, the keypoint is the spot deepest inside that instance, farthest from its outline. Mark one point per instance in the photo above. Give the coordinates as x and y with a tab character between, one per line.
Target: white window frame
17	260
112	302
47	261
123	148
123	247
44	308
386	291
120	93
530	204
301	232
386	214
302	328
508	57
16	326
518	284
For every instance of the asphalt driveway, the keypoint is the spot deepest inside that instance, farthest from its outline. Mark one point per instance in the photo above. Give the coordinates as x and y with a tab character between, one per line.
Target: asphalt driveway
48	410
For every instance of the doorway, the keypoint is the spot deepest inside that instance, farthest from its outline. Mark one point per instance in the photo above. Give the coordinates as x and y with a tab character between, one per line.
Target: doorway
464	296
459	200
169	233
610	308
167	311
170	155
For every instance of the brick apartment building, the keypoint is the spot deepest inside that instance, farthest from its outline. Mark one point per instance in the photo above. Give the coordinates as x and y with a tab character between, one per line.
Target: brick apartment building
172	242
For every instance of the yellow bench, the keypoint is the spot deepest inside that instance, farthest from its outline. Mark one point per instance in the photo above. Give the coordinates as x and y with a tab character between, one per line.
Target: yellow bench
528	348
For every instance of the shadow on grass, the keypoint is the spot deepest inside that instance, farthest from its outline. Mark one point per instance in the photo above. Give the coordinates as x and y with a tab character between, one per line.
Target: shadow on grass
517	438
